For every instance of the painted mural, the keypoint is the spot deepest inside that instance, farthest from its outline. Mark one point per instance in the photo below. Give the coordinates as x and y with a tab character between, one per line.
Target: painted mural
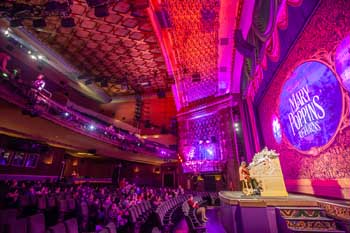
309	99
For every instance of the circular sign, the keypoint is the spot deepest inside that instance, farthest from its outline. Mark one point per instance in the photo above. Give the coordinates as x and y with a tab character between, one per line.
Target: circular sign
311	106
276	128
342	62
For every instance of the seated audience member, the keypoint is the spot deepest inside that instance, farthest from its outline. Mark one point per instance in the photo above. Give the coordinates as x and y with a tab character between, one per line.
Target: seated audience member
12	200
181	191
4	58
104	203
200	211
39	83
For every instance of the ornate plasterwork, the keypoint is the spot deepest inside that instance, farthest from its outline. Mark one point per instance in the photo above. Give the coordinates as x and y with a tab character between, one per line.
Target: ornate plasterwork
121	48
194	33
268	19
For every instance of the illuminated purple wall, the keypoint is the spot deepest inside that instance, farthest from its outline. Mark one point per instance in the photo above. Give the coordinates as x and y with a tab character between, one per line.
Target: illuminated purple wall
206	137
304	114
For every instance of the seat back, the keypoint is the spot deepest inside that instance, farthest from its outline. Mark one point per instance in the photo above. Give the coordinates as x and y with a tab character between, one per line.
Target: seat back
71	204
111	227
17	226
58	228
71	225
84	209
104	230
62	206
24	201
36	223
42	203
51	202
7	216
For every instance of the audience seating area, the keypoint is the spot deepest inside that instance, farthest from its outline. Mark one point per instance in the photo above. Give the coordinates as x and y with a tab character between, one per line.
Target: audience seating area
36	207
33	224
193	222
168	213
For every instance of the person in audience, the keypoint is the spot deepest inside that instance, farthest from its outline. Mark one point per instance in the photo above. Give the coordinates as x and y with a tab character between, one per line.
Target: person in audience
181	191
39	83
104	202
12	195
200	211
122	183
4	58
74	174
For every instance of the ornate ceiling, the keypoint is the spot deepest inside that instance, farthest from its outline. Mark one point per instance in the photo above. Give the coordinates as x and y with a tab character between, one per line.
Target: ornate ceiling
121	48
194	31
147	47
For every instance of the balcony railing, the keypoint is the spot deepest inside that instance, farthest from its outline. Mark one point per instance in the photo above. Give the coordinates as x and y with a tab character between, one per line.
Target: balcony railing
39	103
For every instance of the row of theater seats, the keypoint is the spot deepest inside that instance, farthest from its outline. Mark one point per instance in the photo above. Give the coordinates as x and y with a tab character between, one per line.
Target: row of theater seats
140	213
109	228
195	225
58	207
169	212
9	223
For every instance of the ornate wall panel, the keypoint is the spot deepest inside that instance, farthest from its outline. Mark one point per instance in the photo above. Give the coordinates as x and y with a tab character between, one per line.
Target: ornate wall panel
328	27
207	138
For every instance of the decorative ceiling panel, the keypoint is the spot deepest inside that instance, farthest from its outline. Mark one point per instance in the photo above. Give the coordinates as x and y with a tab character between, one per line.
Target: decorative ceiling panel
122	47
194	31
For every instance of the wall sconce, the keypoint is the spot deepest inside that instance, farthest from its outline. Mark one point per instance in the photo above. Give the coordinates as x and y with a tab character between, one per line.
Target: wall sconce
48	159
136	169
156	170
75	162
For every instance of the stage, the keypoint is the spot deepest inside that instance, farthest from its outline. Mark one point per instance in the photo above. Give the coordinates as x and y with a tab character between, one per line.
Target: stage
250	214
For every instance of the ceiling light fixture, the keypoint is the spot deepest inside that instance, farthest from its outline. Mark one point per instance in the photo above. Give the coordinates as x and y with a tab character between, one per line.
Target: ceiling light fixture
7	33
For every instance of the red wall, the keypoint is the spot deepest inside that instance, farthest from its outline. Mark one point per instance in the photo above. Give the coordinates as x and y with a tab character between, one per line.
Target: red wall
103	168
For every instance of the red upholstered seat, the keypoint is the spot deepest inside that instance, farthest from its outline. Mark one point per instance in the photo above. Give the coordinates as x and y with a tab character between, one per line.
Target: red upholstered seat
62	206
71	204
42	203
36	223
6	217
111	227
58	228
104	230
17	226
71	225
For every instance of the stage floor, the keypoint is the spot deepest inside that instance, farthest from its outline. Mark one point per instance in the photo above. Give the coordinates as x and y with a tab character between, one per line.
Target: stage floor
237	198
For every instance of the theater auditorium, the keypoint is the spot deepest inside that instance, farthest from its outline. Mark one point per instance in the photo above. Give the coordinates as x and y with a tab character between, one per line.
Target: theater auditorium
174	116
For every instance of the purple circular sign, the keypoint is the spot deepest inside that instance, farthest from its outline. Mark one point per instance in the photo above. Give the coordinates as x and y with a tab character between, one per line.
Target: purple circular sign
342	62
311	106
